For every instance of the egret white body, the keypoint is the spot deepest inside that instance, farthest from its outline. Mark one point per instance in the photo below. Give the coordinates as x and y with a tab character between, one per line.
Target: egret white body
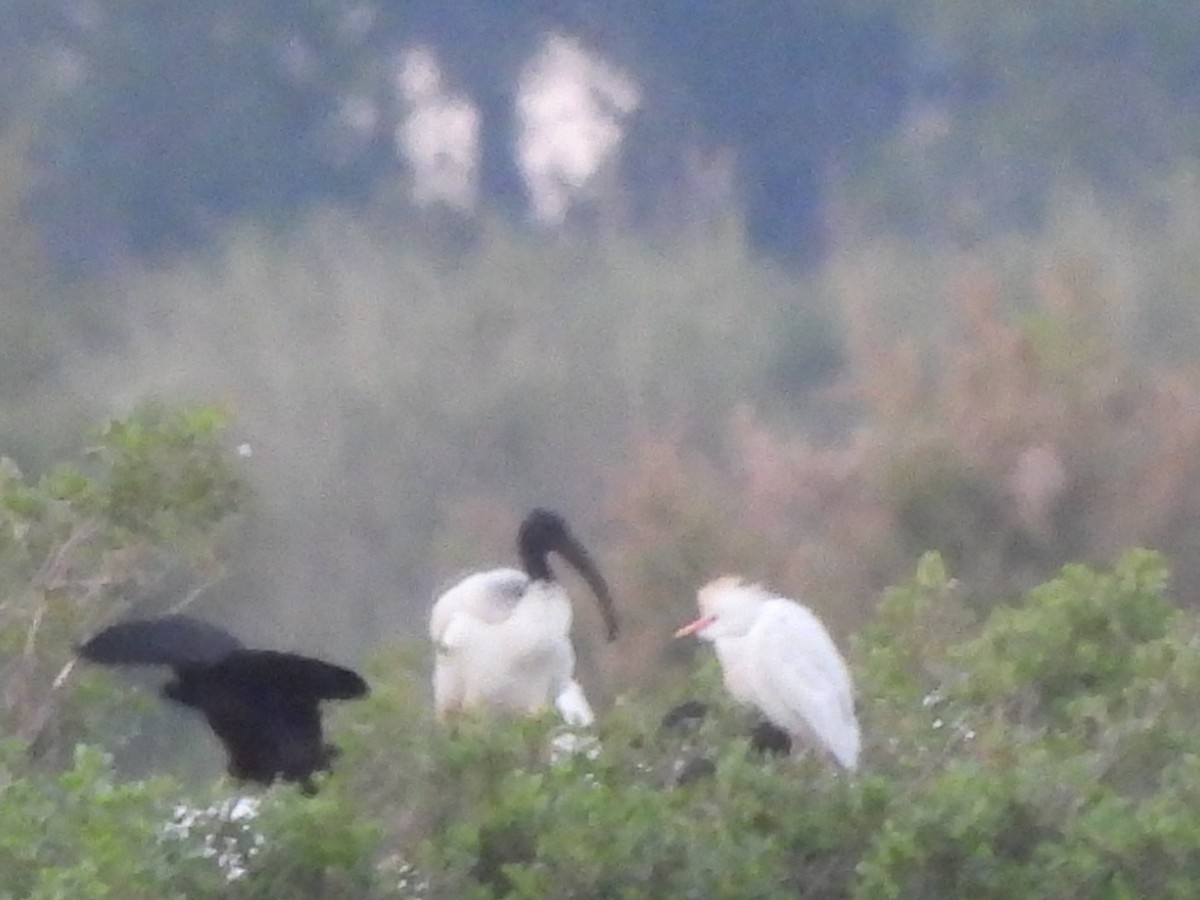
502	637
777	657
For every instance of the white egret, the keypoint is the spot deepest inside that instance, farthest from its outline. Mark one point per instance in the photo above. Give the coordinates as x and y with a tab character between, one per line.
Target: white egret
777	657
502	636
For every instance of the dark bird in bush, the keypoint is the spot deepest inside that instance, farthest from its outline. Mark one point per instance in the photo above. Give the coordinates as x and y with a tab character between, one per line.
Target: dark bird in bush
765	738
262	704
502	636
777	657
692	766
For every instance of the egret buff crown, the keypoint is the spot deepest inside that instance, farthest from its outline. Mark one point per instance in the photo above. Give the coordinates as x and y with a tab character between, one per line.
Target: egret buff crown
777	657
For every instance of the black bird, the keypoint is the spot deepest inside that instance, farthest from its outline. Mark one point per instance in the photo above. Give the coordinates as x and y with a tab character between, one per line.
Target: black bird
262	704
765	739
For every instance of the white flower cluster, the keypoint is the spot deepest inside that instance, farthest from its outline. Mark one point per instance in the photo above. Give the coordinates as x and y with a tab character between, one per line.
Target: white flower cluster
229	836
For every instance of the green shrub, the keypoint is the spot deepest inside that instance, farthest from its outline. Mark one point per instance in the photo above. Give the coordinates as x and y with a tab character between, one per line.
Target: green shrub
1047	750
1066	753
142	518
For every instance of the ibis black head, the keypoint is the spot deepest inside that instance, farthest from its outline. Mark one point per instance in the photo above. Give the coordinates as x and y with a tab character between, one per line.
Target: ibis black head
543	532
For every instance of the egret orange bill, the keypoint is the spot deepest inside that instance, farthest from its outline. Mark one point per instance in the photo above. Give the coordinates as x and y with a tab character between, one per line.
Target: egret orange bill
692	627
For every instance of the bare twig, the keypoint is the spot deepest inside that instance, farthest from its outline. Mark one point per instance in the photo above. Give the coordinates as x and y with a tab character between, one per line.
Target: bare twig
50	575
191	596
63	674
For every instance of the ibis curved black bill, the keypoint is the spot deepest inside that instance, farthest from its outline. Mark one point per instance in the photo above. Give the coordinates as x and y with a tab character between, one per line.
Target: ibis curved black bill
574	553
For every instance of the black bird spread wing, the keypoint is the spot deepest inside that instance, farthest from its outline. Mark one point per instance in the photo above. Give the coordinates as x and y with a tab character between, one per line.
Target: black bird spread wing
168	641
289	674
262	704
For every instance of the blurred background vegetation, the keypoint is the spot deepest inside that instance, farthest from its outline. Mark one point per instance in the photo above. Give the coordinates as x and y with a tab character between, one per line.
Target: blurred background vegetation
857	282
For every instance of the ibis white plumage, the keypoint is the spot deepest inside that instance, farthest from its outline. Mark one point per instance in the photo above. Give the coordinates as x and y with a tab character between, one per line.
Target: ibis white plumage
502	637
777	657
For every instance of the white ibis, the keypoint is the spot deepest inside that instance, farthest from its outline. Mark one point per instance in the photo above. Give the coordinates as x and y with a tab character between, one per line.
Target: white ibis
262	704
502	637
777	657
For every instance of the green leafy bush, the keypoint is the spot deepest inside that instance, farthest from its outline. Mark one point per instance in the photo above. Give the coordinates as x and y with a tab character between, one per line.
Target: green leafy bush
85	833
142	518
1045	750
1059	746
